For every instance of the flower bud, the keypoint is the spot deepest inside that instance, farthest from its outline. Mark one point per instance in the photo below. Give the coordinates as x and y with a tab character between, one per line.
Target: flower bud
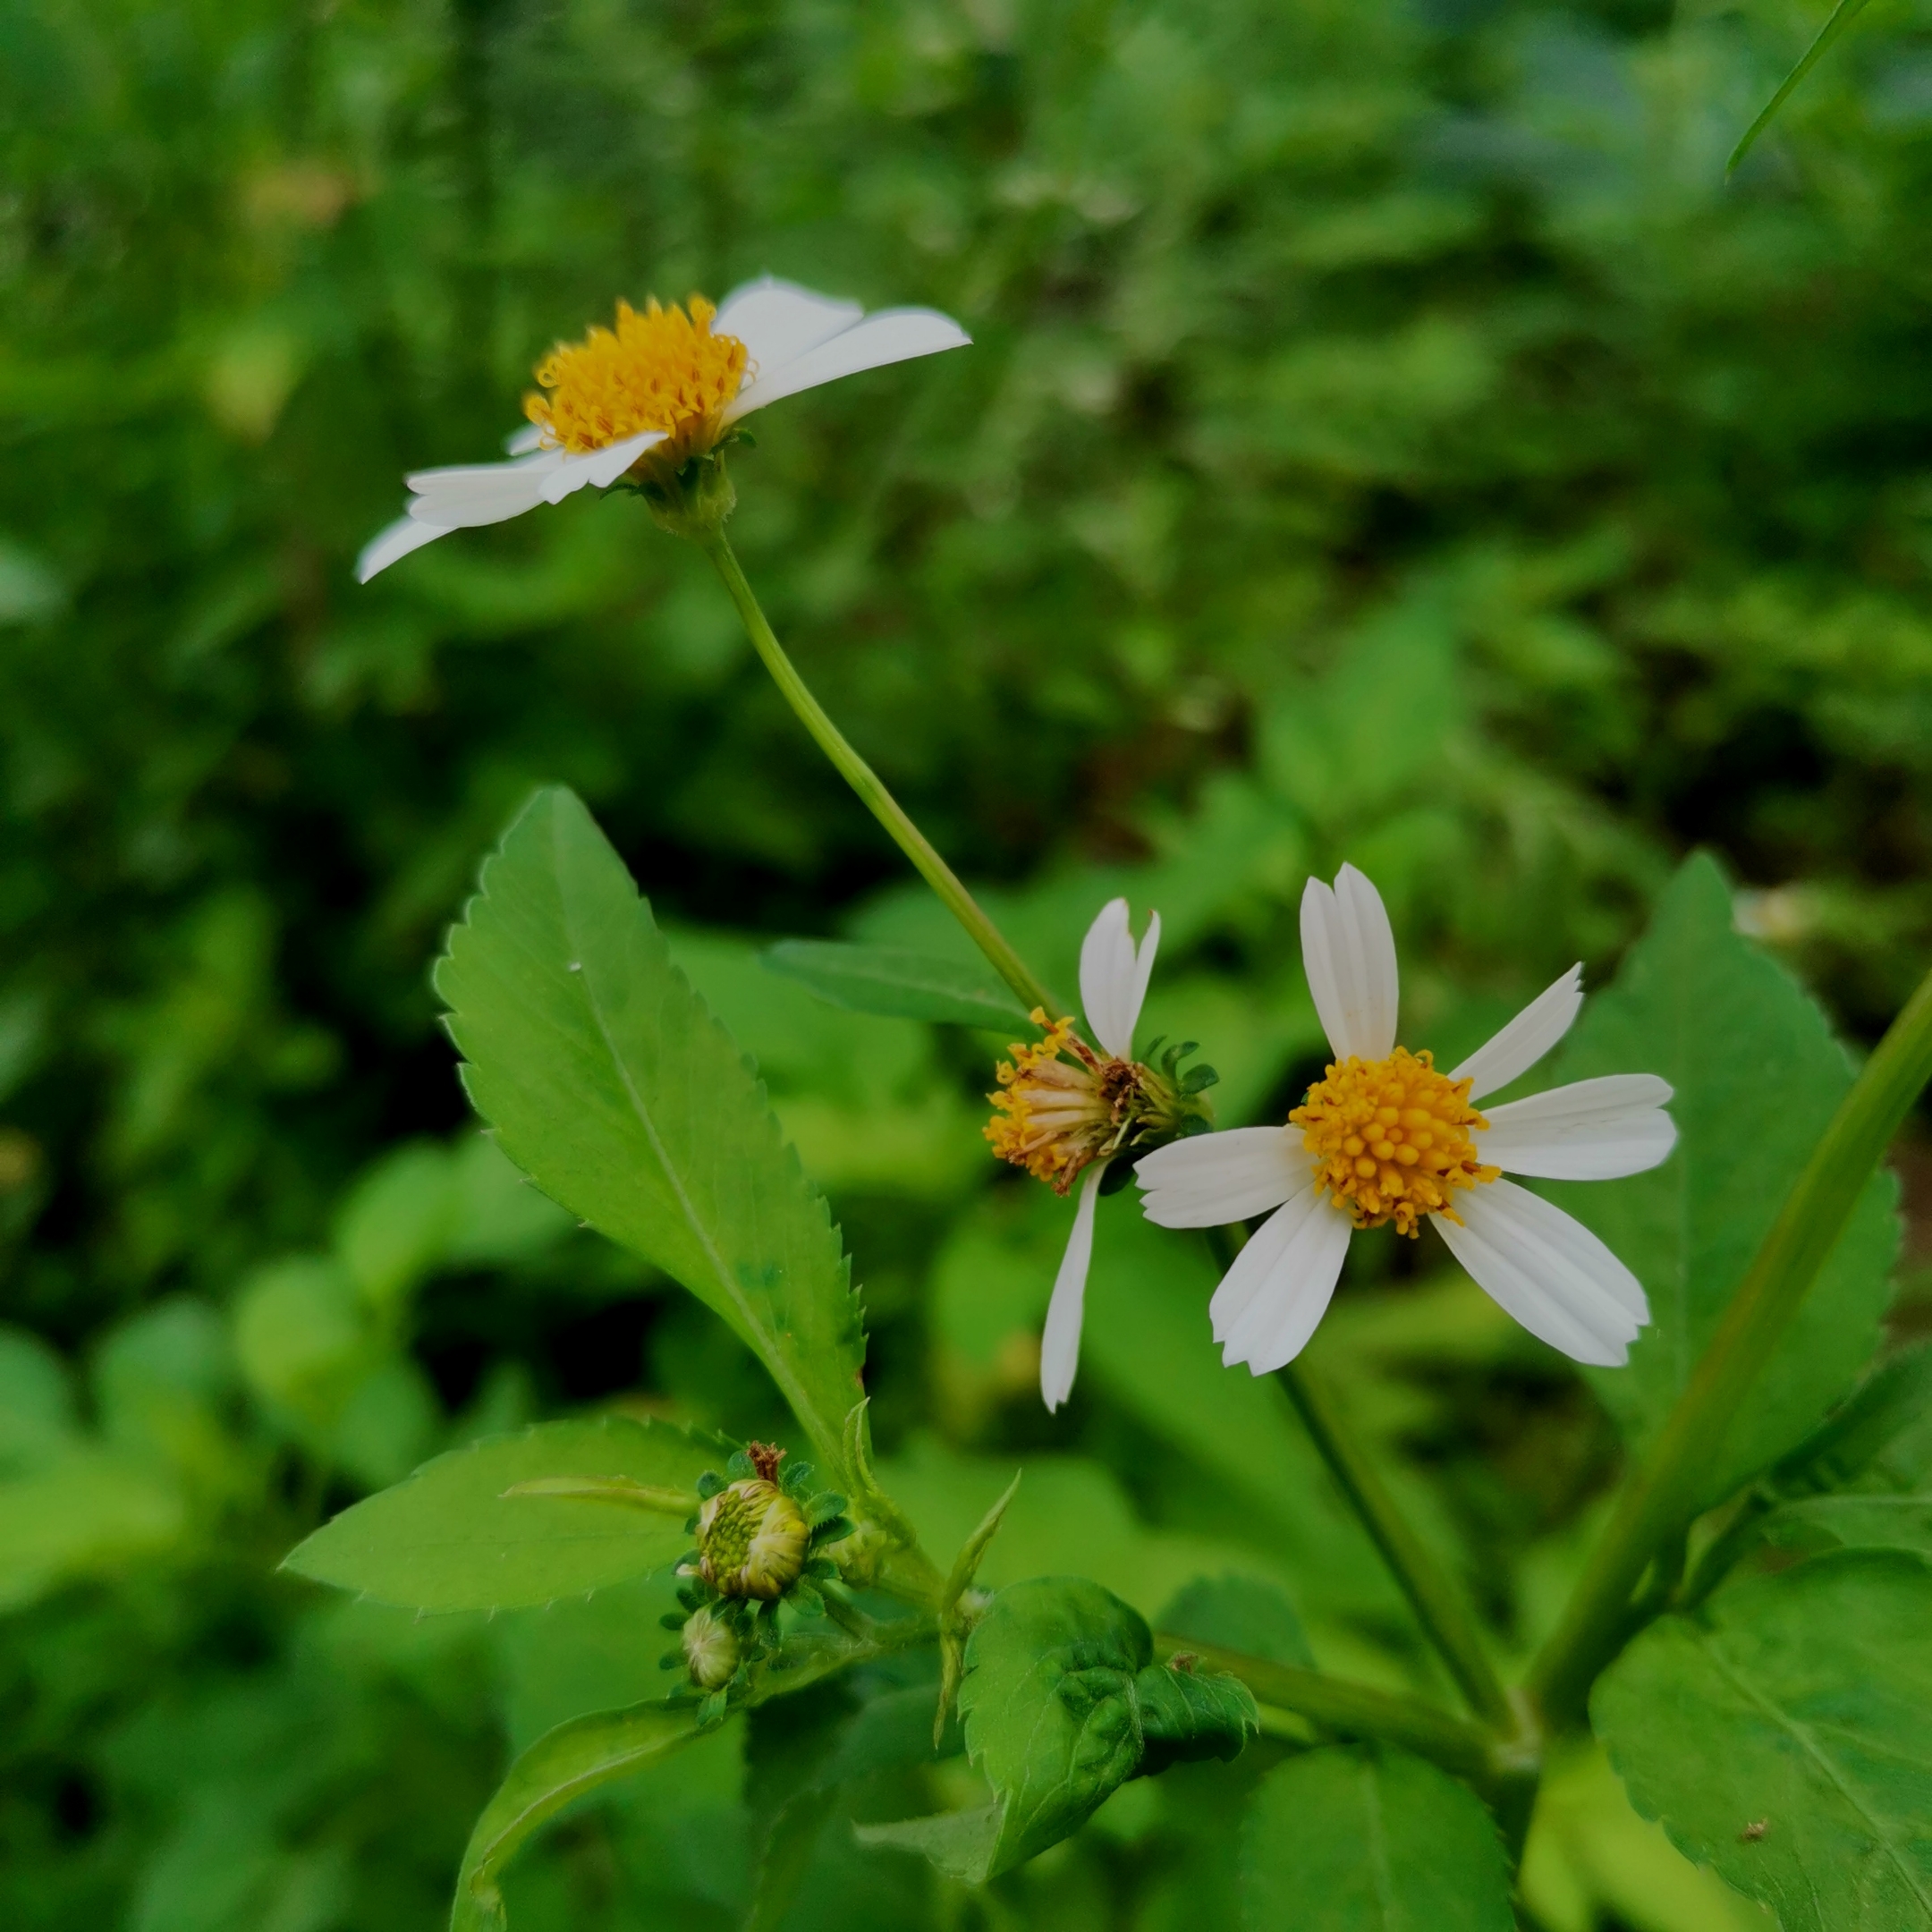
751	1540
710	1649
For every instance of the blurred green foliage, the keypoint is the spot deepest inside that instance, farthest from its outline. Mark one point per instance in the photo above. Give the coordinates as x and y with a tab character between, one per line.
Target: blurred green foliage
1386	437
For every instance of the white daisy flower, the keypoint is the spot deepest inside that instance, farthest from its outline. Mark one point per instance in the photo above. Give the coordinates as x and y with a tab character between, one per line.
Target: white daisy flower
1384	1137
663	386
1064	1111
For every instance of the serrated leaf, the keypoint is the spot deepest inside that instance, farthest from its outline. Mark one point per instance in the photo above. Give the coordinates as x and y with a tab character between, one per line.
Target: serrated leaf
610	1083
1758	1076
562	1766
963	1844
449	1539
1048	1707
895	982
1370	1839
1187	1715
1785	1739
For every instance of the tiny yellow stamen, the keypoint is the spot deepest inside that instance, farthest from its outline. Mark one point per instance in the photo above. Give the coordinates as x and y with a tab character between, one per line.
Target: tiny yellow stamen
661	369
1060	1105
1391	1139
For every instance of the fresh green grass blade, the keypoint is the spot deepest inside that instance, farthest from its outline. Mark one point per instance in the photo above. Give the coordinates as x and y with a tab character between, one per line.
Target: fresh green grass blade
1366	1838
897	982
1843	15
610	1083
1757	1078
1784	1739
451	1538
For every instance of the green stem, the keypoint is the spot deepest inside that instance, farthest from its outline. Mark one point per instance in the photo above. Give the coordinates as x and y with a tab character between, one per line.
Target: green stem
1664	1494
1354	1709
866	782
1433	1596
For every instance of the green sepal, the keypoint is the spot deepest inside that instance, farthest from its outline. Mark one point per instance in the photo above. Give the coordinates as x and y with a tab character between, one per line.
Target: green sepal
711	1711
674	1619
795	1478
711	1484
835	1531
824	1506
740	1468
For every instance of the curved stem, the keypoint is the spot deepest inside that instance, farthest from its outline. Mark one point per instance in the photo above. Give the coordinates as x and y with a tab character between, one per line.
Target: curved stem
1664	1496
1432	1593
866	782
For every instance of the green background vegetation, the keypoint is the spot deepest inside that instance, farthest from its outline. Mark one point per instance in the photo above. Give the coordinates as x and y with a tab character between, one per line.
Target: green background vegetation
1386	438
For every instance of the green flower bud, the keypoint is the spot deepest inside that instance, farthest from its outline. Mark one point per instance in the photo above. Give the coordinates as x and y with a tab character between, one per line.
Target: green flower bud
711	1650
751	1540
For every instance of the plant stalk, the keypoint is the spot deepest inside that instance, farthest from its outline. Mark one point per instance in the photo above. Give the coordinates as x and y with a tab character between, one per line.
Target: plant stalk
1663	1498
1432	1595
866	782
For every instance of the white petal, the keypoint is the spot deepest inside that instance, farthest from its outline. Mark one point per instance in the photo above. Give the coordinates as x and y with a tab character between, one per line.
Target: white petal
1060	1344
1526	1038
1270	1301
524	442
1593	1129
404	535
1548	1271
475	493
778	321
467	477
1114	978
1215	1178
892	335
600	467
1349	954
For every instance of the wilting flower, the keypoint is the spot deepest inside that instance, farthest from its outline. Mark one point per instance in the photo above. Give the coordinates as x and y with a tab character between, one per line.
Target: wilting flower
663	385
1383	1137
1063	1111
753	1534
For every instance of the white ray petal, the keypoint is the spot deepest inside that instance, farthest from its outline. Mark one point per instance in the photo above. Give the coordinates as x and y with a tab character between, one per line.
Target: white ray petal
1548	1271
469	496
600	467
778	321
524	442
892	335
1593	1129
1113	977
1266	1309
1060	1344
1526	1038
1215	1178
1349	954
386	546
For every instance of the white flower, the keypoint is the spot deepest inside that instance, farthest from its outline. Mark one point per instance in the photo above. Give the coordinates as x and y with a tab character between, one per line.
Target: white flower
1062	1112
1384	1137
662	387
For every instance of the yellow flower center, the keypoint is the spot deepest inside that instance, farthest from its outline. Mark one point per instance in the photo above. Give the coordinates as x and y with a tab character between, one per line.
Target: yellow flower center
1391	1139
663	369
1060	1105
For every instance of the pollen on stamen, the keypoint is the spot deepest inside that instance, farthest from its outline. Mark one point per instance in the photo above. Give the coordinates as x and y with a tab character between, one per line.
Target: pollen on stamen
1060	1105
1390	1140
661	368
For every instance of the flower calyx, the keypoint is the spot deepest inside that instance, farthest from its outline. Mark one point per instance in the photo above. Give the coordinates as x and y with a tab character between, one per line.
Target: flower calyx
761	1529
1061	1105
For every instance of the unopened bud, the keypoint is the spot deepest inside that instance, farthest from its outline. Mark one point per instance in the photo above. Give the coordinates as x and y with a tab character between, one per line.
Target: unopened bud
751	1540
710	1649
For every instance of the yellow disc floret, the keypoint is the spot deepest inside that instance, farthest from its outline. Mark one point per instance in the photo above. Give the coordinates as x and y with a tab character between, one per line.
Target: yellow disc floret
1391	1139
1061	1106
660	369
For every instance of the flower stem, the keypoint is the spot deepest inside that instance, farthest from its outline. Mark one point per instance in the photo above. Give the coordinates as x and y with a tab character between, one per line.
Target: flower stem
1432	1594
866	782
1664	1496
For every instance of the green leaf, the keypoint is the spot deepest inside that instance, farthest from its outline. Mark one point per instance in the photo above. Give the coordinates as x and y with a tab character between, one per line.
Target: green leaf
1240	1612
1187	1714
1871	1430
1843	15
1048	1707
1758	1077
1787	1739
1902	1522
610	1083
562	1766
896	981
449	1539
963	1844
1369	1839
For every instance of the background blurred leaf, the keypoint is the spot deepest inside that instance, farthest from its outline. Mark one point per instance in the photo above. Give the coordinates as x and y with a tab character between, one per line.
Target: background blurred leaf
891	980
